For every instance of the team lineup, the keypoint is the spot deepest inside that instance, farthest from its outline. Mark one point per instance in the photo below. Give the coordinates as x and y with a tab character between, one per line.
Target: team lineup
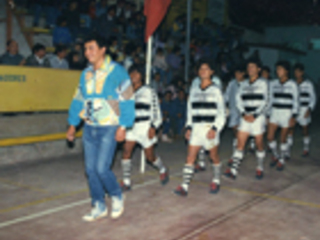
253	106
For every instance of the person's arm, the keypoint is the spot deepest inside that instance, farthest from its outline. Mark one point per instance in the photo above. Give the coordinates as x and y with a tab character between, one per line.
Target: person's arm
239	102
189	115
126	98
295	103
221	113
156	118
313	97
76	105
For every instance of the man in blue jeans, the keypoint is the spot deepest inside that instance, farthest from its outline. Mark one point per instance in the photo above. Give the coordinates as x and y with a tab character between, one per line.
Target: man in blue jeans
104	100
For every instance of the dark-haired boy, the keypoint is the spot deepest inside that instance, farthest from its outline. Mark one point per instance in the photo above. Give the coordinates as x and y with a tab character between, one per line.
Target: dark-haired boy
147	121
251	102
205	120
104	101
307	101
282	111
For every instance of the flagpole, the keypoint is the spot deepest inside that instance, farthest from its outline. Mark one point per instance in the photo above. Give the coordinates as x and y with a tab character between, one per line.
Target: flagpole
187	53
148	80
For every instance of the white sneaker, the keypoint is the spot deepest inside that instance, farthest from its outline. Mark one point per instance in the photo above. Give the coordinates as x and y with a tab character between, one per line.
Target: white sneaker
165	138
117	206
98	211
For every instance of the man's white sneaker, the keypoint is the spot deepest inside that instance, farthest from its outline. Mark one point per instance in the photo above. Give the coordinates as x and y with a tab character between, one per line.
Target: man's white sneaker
98	211
117	206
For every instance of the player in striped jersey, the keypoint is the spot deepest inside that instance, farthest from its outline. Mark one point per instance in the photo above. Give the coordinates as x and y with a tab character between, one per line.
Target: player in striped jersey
282	111
252	100
230	100
200	164
205	120
307	101
147	120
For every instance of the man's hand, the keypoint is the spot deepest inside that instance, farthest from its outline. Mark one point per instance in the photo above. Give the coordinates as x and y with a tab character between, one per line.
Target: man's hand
187	134
292	122
120	134
249	118
152	133
307	114
71	133
211	134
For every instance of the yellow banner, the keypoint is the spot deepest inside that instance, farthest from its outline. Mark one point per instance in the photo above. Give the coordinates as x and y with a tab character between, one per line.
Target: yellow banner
24	89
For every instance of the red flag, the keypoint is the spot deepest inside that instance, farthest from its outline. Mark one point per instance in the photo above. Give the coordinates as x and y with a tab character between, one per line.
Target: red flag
154	10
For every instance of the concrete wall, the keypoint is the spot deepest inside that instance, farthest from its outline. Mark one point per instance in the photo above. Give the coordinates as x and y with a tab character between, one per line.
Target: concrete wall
298	36
33	125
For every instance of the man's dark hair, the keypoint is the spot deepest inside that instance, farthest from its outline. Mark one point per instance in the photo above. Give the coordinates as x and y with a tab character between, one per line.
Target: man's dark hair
60	48
38	47
266	68
255	61
206	61
284	64
298	66
101	41
239	68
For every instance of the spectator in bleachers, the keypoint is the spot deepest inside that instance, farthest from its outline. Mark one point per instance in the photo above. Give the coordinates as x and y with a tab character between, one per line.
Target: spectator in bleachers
84	7
59	59
72	16
157	84
181	109
130	51
131	31
75	61
106	25
168	114
266	72
120	8
174	60
12	56
160	64
51	10
128	10
101	8
38	57
62	34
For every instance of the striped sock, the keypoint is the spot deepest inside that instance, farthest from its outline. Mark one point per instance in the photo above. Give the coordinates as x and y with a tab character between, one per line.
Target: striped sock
126	171
202	158
260	158
283	152
237	159
216	173
187	175
159	165
306	143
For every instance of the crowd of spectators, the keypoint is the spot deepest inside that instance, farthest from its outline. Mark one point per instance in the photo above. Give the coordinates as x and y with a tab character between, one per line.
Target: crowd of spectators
123	27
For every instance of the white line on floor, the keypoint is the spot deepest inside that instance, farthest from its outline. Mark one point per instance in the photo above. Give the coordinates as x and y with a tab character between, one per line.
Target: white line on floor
67	206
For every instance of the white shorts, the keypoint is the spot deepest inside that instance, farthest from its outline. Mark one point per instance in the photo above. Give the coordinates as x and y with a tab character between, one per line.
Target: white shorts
199	137
256	128
302	121
139	134
234	119
280	118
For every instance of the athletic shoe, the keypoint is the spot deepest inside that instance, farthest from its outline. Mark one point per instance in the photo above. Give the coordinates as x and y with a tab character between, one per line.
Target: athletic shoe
165	138
259	174
164	177
214	188
117	206
124	187
230	162
280	166
274	161
180	191
230	174
98	211
305	153
199	168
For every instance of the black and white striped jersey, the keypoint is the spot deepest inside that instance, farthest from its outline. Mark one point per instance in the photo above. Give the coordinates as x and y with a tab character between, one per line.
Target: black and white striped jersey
147	109
307	95
206	106
252	98
284	96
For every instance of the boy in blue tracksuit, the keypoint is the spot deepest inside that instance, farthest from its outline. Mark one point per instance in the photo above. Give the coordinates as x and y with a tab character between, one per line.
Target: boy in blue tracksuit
104	101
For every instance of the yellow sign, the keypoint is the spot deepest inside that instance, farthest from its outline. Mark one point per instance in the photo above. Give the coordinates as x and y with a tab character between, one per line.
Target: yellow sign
24	89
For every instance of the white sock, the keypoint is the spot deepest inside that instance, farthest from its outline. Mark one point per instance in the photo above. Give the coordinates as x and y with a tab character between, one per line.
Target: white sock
260	158
216	173
126	171
284	150
187	175
306	143
159	165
